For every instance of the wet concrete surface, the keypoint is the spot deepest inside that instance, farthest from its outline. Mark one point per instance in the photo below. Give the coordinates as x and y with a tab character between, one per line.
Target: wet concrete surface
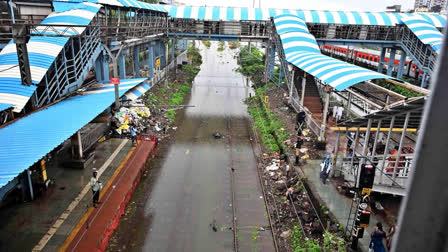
24	224
338	204
191	186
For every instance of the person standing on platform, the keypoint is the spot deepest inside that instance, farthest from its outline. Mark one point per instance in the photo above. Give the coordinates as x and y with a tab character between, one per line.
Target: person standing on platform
335	111
133	133
377	236
95	186
325	168
298	147
339	113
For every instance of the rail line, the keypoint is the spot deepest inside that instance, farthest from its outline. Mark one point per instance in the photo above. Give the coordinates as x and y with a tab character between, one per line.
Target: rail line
232	178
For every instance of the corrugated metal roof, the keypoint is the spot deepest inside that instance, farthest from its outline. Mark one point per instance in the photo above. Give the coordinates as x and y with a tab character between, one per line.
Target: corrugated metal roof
336	73
27	140
142	5
294	35
301	50
4	106
310	16
425	31
137	91
42	52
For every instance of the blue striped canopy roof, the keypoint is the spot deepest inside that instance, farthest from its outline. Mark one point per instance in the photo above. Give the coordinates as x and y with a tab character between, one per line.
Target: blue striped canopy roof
122	3
21	146
137	91
336	73
42	51
294	34
142	5
309	16
425	31
4	106
301	50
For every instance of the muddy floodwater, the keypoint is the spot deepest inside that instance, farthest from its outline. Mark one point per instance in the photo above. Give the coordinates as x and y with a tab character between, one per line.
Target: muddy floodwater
190	204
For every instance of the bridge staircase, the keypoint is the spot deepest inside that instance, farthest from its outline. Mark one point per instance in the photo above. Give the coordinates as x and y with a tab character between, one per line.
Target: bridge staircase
423	55
312	100
70	68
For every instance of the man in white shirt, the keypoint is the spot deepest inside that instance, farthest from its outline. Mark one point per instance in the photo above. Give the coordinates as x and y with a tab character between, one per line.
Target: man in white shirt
95	185
335	111
339	113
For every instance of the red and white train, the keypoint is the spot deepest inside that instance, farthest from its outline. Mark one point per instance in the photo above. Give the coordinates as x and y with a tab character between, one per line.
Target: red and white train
370	57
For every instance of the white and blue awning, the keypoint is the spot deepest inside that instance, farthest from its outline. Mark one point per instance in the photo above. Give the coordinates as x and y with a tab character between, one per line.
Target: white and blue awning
301	50
137	91
42	51
309	16
142	5
122	3
425	32
294	35
336	73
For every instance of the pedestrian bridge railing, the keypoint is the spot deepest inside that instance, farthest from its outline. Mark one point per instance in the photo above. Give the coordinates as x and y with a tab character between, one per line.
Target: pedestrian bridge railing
389	172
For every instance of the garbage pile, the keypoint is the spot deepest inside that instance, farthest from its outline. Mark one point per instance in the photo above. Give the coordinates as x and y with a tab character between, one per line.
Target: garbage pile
125	117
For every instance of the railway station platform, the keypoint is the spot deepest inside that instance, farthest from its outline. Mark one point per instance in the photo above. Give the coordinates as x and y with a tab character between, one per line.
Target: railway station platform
48	220
95	227
337	203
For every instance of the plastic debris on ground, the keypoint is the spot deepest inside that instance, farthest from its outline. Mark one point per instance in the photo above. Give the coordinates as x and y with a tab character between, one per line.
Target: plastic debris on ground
272	167
136	114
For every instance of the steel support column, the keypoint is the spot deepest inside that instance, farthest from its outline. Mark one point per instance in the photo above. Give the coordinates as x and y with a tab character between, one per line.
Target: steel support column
386	148
401	65
271	61
162	53
151	60
30	183
122	65
136	62
376	137
324	117
390	64
423	83
102	68
302	98
173	49
280	74
381	61
349	104
400	146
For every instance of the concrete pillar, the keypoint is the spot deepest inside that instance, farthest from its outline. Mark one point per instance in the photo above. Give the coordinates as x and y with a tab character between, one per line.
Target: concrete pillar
271	61
390	64
151	60
136	63
401	65
102	68
122	65
381	61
